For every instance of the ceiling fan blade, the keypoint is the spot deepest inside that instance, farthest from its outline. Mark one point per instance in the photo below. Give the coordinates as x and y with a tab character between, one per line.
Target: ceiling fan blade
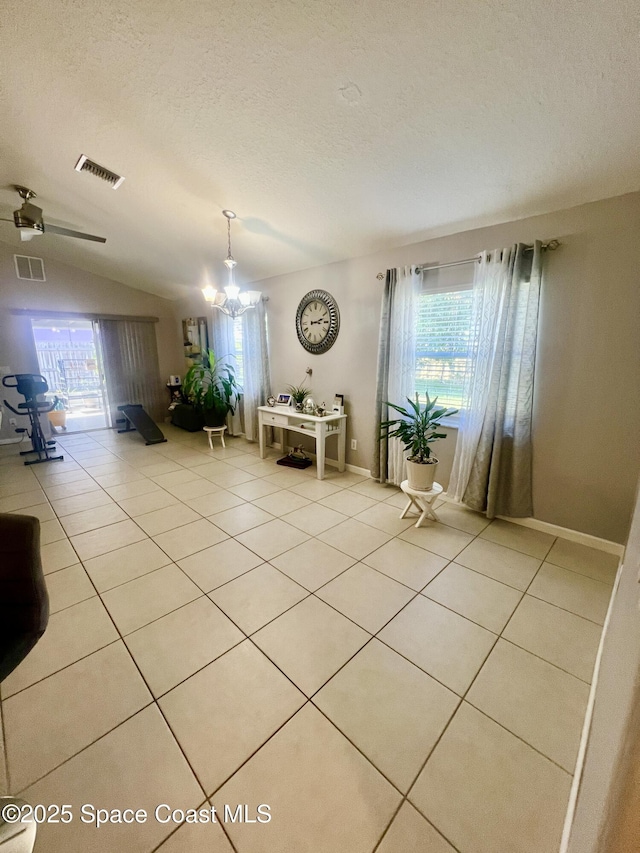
67	232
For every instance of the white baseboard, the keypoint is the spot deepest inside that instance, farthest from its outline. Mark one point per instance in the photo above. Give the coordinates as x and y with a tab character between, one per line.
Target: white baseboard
364	472
564	532
533	523
333	463
572	535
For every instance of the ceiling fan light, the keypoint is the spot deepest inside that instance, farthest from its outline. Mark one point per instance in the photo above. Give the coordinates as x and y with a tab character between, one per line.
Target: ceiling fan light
254	297
232	291
29	233
244	299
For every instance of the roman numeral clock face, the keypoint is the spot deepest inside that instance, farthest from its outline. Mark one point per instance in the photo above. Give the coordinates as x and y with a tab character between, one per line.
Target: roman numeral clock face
317	321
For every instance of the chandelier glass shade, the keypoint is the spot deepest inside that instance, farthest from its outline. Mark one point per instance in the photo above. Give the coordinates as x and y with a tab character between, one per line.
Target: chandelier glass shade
231	301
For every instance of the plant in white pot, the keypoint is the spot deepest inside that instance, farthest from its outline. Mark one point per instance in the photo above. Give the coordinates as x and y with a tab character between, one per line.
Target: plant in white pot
417	429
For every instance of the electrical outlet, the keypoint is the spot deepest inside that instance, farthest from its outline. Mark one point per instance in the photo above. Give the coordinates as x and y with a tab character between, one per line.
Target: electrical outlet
12	421
354	444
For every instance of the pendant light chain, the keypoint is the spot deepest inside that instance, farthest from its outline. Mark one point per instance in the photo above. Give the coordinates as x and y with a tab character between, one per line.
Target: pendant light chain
229	255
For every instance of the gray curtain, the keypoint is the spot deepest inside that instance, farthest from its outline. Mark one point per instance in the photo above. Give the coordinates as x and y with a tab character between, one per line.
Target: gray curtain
396	366
380	462
255	359
492	465
132	372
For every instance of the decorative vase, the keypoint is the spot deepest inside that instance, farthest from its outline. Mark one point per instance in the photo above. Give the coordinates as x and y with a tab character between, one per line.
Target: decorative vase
299	407
421	475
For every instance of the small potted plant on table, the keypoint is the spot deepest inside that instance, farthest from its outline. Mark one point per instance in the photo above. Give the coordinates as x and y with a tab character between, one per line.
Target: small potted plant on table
299	395
417	429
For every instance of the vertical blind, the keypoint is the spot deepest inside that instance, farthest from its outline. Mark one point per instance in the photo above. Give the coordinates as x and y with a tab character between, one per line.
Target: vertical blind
443	327
132	372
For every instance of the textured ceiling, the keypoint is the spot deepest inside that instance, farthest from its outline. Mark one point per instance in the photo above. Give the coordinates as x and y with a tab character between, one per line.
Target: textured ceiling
333	129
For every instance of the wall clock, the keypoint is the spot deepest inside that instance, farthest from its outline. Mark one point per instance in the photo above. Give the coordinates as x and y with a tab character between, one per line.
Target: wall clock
317	321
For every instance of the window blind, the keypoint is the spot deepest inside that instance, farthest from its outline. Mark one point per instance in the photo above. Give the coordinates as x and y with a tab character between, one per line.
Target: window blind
130	355
442	344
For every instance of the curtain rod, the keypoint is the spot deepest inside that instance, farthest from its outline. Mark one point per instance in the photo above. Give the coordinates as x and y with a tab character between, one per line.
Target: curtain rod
78	315
552	245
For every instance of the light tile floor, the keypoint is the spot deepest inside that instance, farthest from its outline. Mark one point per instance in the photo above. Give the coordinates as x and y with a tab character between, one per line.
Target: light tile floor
225	631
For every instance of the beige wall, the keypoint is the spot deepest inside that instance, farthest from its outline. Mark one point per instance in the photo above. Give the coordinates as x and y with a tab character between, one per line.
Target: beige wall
603	814
70	289
587	402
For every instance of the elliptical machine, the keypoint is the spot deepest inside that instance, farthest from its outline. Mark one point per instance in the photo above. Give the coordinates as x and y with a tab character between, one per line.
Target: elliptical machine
30	386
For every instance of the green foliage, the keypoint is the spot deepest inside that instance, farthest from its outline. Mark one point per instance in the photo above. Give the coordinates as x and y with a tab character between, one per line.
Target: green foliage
211	385
298	393
417	427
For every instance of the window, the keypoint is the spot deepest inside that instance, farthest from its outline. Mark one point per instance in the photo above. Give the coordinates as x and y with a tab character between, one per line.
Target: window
442	343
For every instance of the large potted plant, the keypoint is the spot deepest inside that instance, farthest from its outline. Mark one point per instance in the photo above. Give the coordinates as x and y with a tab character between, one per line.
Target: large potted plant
417	429
211	388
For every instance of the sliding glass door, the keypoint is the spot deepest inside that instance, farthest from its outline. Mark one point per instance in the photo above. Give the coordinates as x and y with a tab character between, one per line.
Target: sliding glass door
70	359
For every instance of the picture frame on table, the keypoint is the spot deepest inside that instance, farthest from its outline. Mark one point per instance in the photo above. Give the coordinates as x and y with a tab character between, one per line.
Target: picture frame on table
284	400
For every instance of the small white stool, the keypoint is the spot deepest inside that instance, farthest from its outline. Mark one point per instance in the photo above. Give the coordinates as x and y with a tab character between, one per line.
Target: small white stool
421	501
211	431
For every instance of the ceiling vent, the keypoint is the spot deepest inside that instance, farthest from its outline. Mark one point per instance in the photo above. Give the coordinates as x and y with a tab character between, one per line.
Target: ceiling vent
86	165
29	269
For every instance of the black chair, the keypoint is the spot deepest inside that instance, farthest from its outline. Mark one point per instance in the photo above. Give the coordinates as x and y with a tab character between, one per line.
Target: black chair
24	602
24	614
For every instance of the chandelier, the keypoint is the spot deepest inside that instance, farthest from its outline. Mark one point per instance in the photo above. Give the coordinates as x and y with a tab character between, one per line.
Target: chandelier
232	302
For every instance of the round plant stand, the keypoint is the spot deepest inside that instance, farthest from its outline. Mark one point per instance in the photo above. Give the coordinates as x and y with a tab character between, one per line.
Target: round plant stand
422	502
211	431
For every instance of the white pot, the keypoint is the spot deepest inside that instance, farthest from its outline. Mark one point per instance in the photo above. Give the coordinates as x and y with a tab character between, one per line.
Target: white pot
421	474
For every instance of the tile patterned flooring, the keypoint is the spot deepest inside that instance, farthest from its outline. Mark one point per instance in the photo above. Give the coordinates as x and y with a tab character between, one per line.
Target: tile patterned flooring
226	631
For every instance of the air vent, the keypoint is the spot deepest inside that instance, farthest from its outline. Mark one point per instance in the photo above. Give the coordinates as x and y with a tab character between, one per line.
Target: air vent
30	269
86	165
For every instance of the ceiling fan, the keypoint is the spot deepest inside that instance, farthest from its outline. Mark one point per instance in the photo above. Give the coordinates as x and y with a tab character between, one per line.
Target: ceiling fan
28	220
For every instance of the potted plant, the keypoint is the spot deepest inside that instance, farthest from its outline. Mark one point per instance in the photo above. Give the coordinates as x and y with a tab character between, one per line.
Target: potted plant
58	414
299	395
211	388
417	429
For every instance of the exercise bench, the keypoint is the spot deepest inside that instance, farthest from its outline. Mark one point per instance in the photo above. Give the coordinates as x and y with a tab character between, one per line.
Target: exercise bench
135	417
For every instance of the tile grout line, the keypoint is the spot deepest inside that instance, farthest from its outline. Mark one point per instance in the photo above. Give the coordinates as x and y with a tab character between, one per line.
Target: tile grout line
62	668
153	699
309	700
464	699
460	704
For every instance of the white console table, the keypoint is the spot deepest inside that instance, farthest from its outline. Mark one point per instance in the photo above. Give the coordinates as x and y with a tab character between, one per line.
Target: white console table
286	419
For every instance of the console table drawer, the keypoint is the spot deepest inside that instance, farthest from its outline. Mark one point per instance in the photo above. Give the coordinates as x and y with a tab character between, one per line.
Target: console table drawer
274	419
